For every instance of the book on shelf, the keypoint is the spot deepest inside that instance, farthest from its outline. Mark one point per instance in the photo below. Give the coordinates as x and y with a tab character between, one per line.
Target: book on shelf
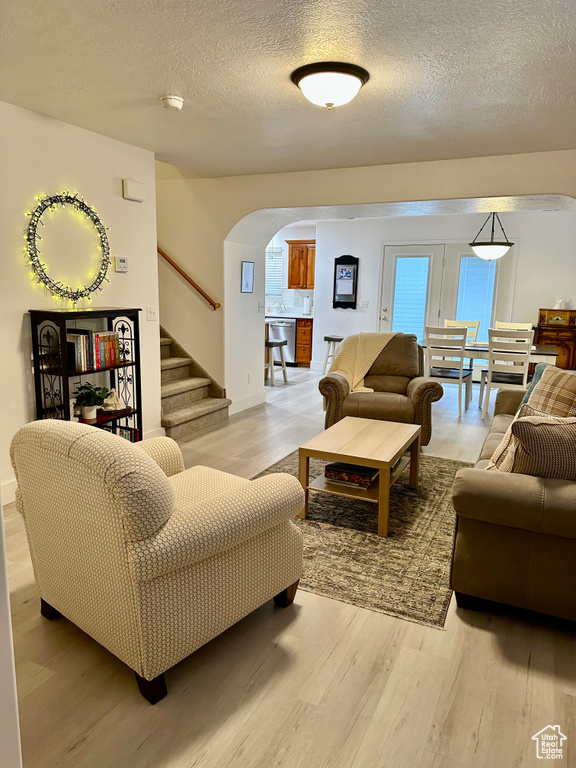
128	433
350	474
92	350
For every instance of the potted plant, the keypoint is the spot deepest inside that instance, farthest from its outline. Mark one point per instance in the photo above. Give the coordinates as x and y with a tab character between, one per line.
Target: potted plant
89	398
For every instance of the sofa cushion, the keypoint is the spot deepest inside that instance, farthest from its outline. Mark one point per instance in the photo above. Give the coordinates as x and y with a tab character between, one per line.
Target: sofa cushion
503	456
400	357
538	372
545	445
501	423
555	393
379	405
490	444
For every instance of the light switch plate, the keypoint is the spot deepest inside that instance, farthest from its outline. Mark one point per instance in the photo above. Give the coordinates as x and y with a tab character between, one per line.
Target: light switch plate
260	306
120	263
364	304
151	313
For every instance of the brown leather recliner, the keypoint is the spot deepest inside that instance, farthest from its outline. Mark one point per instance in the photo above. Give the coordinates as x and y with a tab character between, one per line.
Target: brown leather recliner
401	392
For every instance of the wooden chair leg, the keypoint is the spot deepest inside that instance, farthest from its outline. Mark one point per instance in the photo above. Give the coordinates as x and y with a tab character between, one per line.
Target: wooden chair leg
460	399
486	401
326	356
271	365
286	597
283	361
48	611
482	385
152	690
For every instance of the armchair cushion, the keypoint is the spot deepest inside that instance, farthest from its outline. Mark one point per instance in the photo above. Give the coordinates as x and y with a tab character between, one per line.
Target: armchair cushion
399	357
387	406
233	513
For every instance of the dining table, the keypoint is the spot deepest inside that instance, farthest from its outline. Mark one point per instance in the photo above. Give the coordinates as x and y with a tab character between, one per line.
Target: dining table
540	353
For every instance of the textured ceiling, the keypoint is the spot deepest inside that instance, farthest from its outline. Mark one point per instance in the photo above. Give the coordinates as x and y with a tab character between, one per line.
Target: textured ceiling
449	78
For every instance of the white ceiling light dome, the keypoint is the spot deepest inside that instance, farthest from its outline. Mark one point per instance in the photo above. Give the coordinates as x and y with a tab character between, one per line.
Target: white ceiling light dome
492	249
331	83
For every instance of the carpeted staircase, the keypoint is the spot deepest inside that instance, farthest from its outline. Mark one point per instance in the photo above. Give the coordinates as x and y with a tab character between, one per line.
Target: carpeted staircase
191	400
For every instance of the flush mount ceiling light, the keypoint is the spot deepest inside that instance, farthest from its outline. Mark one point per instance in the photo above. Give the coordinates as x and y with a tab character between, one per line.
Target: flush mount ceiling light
491	249
330	83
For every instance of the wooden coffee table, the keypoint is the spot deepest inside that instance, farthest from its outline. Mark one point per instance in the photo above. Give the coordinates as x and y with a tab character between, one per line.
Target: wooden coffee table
371	443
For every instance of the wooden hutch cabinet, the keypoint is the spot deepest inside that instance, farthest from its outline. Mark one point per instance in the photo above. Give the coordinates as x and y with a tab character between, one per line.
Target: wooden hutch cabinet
301	263
558	327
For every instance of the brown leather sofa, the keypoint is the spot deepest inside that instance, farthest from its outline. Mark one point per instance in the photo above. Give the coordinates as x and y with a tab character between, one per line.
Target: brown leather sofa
515	534
401	392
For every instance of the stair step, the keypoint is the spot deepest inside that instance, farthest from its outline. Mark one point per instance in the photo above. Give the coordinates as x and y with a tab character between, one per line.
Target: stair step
184	385
174	362
201	408
196	417
165	342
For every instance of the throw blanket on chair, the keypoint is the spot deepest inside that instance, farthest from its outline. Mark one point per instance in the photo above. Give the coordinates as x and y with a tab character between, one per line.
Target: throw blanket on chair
356	356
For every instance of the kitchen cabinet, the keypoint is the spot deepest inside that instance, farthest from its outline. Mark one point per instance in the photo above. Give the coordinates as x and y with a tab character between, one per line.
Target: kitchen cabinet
301	263
558	327
303	342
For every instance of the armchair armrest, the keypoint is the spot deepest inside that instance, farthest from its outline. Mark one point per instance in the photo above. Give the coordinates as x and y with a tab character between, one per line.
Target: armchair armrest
335	389
422	386
423	391
165	452
543	505
216	524
508	401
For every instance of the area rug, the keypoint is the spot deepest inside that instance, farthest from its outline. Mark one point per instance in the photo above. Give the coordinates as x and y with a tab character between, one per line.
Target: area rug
407	574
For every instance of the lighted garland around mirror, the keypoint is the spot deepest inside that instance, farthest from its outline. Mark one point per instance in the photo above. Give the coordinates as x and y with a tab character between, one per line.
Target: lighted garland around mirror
59	289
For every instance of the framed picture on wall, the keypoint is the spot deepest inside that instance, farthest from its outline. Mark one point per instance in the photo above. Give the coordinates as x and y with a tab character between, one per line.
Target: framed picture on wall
247	281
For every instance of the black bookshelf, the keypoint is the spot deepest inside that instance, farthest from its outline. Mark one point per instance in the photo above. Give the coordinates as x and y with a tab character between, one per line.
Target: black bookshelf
55	374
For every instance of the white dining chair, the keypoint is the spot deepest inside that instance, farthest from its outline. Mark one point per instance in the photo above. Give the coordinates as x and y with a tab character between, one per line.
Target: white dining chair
500	325
445	360
508	359
471	325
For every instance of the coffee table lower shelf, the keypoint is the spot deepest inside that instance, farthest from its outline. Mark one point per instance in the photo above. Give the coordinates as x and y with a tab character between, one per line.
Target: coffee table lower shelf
323	485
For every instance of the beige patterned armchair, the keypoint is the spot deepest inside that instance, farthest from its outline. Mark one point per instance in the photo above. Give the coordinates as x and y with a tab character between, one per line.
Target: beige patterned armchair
150	559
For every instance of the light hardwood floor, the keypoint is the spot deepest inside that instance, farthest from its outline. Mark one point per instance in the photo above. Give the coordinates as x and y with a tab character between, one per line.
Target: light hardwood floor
319	684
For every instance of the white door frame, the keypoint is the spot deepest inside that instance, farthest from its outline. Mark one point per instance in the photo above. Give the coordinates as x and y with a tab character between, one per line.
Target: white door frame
505	296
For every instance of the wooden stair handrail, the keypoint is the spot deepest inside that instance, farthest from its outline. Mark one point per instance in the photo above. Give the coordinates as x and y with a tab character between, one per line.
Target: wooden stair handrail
187	277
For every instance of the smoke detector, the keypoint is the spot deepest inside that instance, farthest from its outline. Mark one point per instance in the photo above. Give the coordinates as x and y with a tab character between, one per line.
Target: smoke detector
172	102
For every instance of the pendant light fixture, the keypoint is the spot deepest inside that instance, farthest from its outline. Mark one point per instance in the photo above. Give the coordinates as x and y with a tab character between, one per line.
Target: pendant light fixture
330	83
491	249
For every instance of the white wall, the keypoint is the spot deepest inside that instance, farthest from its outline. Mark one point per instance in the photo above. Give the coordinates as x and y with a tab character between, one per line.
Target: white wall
244	339
546	262
39	155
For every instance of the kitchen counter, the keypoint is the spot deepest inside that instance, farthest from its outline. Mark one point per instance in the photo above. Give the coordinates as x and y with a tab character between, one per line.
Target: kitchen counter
289	315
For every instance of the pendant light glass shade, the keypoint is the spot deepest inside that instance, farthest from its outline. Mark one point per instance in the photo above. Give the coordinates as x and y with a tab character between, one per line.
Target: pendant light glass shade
330	84
489	250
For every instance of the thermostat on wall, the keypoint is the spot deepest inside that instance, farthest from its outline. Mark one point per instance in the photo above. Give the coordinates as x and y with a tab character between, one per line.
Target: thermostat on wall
133	190
121	263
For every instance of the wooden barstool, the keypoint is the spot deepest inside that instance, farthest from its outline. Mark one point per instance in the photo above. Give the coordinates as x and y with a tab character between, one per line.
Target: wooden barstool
270	345
331	346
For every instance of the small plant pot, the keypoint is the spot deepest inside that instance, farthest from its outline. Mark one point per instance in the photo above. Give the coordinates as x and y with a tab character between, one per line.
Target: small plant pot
89	412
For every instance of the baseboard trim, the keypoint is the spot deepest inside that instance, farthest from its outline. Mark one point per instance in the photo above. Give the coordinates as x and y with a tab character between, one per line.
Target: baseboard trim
258	398
158	432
